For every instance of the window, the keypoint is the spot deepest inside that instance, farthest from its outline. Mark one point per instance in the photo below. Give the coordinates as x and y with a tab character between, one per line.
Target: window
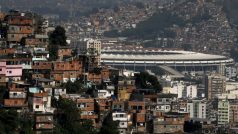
37	106
14	94
10	72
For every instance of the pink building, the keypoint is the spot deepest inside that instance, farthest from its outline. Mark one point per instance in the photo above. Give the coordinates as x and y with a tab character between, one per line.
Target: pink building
11	71
3	68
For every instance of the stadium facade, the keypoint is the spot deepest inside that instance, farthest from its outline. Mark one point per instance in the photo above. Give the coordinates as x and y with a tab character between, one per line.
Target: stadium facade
180	60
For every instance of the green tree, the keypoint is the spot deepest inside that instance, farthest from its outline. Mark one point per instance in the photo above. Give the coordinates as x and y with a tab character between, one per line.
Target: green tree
23	41
2	93
75	52
9	121
68	119
145	80
56	38
74	87
109	126
27	126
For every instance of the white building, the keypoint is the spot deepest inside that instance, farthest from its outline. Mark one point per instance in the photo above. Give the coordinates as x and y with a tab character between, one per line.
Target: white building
197	108
103	93
40	102
165	102
59	91
231	86
177	87
191	91
93	48
183	90
122	117
230	72
223	112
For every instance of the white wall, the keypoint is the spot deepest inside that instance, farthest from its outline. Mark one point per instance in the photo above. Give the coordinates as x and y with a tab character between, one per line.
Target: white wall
191	91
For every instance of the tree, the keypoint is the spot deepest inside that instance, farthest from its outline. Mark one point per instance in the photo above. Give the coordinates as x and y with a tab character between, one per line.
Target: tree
68	119
27	126
23	41
75	52
57	38
109	126
145	80
3	93
9	121
74	87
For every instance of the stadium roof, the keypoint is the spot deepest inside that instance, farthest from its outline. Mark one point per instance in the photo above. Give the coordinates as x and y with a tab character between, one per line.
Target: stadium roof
160	55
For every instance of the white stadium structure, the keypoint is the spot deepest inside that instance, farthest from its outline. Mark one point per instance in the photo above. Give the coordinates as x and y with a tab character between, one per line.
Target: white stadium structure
181	60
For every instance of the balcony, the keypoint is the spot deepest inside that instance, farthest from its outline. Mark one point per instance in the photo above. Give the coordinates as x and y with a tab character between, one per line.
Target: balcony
19	96
119	117
24	66
39	58
47	118
15	103
89	116
44	126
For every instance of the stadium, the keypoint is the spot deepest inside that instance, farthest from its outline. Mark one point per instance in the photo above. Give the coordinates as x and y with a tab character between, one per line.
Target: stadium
179	60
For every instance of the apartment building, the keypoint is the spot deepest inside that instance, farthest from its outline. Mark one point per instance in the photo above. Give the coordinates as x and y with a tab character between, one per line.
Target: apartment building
19	25
11	71
223	112
122	118
215	84
169	123
44	122
93	49
17	95
197	108
166	102
87	107
70	69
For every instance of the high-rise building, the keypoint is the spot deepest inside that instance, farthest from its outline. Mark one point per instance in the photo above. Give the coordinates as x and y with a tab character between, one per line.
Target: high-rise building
232	100
215	84
197	108
223	112
191	91
92	48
